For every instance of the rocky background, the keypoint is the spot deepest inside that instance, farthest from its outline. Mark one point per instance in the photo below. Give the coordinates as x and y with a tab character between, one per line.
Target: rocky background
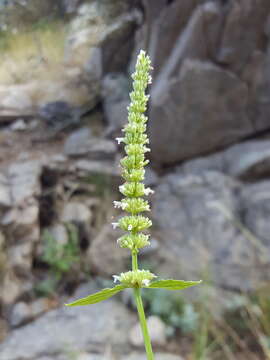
62	103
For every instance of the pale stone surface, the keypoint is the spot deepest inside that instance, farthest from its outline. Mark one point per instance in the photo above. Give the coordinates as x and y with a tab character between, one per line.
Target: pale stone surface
77	212
157	331
50	334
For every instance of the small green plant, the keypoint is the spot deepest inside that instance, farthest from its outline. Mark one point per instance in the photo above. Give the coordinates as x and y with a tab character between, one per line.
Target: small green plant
134	191
59	257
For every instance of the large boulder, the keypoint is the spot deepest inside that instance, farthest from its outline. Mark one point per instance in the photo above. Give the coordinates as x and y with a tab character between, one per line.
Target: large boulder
71	330
211	74
201	110
203	232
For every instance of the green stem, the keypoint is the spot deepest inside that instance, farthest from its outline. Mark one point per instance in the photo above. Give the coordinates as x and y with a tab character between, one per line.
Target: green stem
134	261
147	340
139	303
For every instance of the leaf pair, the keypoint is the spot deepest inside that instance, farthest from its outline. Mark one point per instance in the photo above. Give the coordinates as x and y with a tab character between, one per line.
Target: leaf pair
107	293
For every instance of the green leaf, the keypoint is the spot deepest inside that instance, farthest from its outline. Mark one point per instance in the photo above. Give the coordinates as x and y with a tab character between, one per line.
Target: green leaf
172	284
97	297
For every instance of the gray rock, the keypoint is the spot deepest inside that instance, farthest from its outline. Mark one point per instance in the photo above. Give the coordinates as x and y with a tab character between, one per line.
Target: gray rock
259	103
24	180
11	287
115	90
24	312
20	257
19	125
190	43
15	102
59	232
76	212
88	356
255	209
67	330
104	255
20	313
98	167
199	217
203	100
109	27
81	143
5	196
249	161
243	27
158	356
70	6
157	332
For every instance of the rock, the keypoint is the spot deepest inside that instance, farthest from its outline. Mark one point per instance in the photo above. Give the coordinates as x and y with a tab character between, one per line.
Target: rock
203	99
15	102
24	180
20	257
19	125
3	330
70	6
107	26
201	217
158	356
115	90
197	40
98	167
5	196
157	331
11	287
59	233
88	356
76	212
151	177
249	161
20	313
255	209
81	143
243	29
50	334
259	104
104	255
24	312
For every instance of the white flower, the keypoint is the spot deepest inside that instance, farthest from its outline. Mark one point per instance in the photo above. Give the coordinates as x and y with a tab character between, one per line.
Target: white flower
122	188
117	204
116	278
146	149
124	205
119	140
148	191
129	227
114	225
146	282
150	79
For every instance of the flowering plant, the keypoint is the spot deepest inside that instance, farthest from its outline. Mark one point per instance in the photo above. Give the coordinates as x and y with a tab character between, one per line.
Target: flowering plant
134	203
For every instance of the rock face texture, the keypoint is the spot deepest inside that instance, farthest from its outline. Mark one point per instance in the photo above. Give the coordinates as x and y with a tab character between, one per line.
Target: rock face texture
211	63
207	218
55	333
209	126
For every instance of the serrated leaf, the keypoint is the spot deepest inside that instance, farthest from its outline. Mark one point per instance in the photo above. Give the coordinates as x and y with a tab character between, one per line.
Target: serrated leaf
172	284
97	297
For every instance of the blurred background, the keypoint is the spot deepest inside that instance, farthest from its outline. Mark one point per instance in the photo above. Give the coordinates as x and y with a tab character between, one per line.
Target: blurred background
65	70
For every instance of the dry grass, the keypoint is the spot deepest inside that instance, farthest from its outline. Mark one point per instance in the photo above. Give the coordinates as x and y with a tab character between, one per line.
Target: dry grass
31	53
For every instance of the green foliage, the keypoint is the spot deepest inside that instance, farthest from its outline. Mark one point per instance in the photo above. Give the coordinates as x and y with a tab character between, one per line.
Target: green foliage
172	309
97	297
59	257
173	284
